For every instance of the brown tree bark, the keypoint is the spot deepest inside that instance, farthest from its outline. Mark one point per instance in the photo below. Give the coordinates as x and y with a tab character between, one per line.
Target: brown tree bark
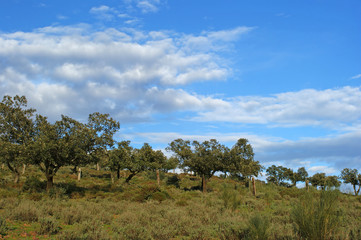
79	174
16	177
204	184
254	186
49	182
307	185
158	178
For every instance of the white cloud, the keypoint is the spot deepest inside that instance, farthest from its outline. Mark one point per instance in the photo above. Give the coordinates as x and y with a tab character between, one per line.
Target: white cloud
148	5
135	71
328	108
356	76
104	12
321	169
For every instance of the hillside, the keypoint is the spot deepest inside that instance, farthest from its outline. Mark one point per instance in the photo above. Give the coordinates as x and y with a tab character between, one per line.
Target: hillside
96	208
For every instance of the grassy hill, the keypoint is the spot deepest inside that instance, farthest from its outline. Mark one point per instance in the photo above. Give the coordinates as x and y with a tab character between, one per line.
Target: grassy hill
97	208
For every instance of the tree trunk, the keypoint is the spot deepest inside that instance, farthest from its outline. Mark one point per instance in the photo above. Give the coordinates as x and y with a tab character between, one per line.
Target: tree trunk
130	177
24	167
49	182
158	178
112	177
98	166
356	191
174	171
118	173
204	184
2	166
16	177
254	186
79	174
307	185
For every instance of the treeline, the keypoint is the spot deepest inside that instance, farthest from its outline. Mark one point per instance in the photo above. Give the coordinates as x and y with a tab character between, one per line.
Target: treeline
30	138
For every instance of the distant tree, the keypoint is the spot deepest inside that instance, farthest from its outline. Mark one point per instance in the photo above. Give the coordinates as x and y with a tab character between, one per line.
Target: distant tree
240	160
120	156
299	176
323	181
353	177
278	174
204	158
182	152
141	160
102	128
159	161
16	130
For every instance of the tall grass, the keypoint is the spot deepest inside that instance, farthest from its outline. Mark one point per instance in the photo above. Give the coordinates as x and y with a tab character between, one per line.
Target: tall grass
317	217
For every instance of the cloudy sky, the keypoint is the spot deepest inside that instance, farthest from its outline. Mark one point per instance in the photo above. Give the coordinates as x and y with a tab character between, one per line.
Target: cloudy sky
284	74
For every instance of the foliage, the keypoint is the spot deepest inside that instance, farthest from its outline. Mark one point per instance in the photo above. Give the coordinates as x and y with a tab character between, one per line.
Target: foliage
230	197
323	181
278	174
240	160
317	218
48	225
258	227
299	176
16	129
353	177
3	227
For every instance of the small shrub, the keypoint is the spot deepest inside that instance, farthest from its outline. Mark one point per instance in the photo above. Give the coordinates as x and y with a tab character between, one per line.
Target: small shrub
173	180
181	203
48	225
25	211
160	196
32	184
258	227
231	198
88	230
3	227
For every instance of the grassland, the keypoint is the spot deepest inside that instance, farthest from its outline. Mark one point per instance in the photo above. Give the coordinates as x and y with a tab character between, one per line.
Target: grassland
97	208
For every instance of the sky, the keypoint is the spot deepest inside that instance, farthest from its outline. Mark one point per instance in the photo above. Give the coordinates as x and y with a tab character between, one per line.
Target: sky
284	74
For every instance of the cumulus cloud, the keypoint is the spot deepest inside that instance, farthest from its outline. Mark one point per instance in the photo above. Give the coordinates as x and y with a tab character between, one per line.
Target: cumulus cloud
328	108
128	73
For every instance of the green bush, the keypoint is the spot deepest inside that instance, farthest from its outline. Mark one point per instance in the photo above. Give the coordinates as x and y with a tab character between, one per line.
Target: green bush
32	184
88	230
317	218
173	180
258	227
25	211
231	197
48	225
3	227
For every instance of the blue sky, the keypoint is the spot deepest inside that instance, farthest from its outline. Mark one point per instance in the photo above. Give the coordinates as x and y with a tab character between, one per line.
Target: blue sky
284	74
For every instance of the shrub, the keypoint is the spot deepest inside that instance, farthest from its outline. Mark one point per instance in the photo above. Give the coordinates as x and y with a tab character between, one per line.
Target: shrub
3	227
25	211
317	218
32	184
48	225
258	227
88	230
231	198
173	180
